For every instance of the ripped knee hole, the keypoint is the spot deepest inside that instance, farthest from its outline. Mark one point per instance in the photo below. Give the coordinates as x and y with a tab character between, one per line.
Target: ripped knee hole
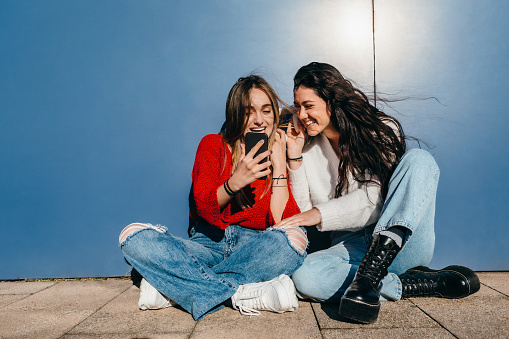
130	229
296	236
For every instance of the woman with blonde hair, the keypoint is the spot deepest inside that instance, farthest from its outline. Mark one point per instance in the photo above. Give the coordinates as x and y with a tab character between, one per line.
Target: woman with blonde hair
233	257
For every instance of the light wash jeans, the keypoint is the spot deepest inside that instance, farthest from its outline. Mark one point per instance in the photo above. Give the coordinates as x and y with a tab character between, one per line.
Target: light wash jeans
325	275
202	272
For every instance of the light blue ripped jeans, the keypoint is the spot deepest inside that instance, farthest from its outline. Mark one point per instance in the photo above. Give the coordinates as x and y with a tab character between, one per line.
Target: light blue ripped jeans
202	272
325	275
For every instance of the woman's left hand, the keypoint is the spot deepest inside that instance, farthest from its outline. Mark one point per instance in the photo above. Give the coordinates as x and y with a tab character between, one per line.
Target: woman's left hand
278	156
308	218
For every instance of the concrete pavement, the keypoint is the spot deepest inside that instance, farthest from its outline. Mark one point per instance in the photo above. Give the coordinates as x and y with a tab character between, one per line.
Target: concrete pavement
89	308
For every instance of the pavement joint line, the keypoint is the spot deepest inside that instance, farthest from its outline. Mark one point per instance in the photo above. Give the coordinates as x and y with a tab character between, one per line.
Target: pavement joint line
15	301
94	312
194	327
316	319
75	328
494	289
423	311
27	295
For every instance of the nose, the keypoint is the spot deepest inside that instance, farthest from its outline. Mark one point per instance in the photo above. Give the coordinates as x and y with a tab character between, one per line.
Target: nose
258	118
302	113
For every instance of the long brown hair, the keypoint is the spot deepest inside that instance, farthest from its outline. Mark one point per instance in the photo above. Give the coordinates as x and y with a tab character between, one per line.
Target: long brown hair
369	147
238	106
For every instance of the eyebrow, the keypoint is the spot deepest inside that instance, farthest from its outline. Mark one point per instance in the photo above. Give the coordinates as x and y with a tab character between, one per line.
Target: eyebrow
304	102
263	106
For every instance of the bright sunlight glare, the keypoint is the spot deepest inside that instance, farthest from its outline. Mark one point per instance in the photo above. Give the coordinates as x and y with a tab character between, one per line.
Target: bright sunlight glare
354	25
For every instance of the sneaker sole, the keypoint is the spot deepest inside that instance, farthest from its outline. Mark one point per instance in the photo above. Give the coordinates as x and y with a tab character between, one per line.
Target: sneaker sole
287	288
291	293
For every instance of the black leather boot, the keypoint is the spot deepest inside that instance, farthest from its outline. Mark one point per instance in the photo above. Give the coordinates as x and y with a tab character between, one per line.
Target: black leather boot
451	282
361	301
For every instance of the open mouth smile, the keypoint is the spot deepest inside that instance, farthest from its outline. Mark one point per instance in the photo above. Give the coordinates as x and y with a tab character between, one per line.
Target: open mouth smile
257	129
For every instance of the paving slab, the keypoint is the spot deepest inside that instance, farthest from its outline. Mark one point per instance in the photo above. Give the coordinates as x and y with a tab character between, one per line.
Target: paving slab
229	323
400	314
108	308
383	333
122	318
39	323
24	287
498	281
9	299
482	315
74	295
127	336
57	309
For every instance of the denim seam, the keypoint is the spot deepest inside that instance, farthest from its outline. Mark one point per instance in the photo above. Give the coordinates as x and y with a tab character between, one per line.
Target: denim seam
203	271
206	275
200	311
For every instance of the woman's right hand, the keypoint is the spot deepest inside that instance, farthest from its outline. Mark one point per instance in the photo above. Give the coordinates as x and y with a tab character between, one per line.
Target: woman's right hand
249	169
308	218
295	138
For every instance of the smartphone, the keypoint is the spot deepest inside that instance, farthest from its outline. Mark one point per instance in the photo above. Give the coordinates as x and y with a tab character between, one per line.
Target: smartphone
252	139
285	118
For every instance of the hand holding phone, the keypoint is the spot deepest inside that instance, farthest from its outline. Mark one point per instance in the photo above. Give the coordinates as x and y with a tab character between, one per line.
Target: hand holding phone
295	138
251	140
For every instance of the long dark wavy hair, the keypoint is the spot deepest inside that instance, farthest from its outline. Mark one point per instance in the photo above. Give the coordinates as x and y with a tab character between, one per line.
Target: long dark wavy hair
369	147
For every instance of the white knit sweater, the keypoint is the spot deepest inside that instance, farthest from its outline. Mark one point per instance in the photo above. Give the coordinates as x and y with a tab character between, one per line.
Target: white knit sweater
314	183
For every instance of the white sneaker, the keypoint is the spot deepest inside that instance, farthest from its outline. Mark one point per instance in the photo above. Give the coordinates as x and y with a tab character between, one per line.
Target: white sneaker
152	299
276	295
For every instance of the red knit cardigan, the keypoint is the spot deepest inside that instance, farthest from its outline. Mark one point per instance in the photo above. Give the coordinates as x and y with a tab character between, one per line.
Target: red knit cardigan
208	175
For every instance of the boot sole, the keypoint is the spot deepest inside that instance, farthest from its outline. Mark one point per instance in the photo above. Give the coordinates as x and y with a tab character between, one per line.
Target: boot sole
358	311
470	276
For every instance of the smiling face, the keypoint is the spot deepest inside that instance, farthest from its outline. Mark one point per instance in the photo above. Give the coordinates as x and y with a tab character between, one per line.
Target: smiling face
312	111
260	114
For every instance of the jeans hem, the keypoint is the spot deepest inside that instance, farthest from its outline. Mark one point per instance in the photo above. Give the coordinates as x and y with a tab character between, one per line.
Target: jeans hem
202	311
403	223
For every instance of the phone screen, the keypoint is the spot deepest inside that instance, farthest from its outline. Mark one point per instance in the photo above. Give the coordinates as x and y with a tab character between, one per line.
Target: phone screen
252	139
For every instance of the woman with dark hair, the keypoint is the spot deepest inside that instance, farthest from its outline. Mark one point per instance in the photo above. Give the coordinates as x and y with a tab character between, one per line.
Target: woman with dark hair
233	256
351	174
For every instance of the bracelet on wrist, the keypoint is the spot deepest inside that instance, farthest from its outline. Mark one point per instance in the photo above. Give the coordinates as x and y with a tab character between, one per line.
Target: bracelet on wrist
281	177
294	159
228	190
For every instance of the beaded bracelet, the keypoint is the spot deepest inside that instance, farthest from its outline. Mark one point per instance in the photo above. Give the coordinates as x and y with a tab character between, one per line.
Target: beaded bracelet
294	159
228	190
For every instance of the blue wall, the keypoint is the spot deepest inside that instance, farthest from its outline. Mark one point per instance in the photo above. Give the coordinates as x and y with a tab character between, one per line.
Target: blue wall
102	105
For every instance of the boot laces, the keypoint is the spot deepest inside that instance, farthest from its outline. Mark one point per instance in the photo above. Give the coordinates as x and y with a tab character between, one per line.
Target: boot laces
375	268
250	303
418	287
